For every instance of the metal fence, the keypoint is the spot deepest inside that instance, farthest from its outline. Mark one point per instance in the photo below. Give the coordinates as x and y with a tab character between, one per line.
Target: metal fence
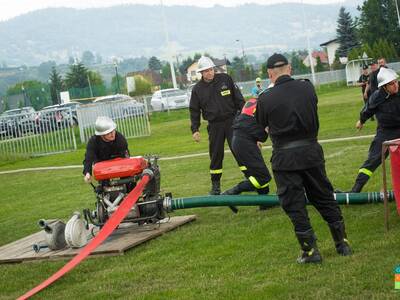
320	77
33	134
131	117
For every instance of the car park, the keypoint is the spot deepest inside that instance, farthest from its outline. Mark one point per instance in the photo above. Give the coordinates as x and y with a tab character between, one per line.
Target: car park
127	107
19	121
169	99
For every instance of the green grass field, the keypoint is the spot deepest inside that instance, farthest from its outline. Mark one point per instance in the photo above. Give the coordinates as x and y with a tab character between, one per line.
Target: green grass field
250	255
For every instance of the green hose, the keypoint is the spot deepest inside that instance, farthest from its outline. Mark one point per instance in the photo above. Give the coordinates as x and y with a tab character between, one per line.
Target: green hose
265	200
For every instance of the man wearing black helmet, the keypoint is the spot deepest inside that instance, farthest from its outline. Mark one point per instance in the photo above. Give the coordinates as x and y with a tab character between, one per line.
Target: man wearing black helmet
289	110
107	143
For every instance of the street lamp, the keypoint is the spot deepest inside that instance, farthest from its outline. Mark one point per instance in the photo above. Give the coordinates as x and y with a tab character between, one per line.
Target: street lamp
116	75
171	64
24	95
243	55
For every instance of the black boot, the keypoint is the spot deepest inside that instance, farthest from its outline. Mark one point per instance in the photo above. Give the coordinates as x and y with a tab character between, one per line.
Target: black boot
215	188
340	238
232	191
361	180
308	243
357	187
243	186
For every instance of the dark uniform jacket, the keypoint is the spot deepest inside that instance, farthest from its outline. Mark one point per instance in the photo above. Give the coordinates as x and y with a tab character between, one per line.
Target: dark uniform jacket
289	109
385	107
217	100
246	127
99	150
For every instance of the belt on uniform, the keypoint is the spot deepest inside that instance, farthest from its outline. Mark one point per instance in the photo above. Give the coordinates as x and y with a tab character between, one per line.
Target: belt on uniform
295	144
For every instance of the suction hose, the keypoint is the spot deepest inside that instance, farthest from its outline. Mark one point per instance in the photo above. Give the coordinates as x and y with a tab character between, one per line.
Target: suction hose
265	200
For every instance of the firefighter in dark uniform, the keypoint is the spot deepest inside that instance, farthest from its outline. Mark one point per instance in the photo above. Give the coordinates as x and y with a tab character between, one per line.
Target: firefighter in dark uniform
363	81
107	143
372	85
385	105
247	134
289	110
218	100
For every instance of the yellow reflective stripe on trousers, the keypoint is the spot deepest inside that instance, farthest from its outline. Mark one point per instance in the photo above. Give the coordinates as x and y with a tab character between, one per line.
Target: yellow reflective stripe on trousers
219	171
243	168
365	171
256	184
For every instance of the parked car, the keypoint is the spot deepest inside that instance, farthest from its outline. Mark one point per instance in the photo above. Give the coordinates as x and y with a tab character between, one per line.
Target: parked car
16	122
169	99
128	106
64	112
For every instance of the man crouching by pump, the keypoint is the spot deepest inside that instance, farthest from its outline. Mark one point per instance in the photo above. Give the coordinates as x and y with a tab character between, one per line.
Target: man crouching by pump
289	110
107	143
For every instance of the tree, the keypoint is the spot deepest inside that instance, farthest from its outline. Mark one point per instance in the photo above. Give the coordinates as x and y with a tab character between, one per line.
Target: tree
56	85
97	85
45	68
346	33
118	84
76	76
378	20
154	64
298	66
88	58
34	93
185	64
71	60
99	59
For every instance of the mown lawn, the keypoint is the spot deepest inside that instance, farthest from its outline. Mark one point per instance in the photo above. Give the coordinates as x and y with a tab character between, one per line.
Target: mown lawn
250	255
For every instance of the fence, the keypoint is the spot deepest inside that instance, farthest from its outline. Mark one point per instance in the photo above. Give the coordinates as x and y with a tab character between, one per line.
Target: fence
320	77
31	134
131	118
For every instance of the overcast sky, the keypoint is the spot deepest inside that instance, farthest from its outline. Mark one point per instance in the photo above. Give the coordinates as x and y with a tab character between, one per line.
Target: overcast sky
12	8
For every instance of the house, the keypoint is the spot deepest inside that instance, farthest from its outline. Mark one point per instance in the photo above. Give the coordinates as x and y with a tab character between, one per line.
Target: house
330	48
315	54
220	67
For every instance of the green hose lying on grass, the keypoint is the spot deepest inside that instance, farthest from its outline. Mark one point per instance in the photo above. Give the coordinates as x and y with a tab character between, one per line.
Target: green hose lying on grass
264	200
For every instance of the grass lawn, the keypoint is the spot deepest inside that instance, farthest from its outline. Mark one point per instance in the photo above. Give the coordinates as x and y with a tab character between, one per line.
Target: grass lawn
250	255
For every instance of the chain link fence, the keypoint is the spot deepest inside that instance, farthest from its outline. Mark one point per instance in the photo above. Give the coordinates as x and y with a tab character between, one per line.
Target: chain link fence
32	134
131	117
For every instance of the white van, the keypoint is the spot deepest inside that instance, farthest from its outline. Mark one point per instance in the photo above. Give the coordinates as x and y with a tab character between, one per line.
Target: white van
169	99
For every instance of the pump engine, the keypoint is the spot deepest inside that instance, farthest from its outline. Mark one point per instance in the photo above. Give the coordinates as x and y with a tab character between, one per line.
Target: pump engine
116	178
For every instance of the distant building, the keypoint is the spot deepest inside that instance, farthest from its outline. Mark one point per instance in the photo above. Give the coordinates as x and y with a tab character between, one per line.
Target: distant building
315	54
220	67
330	48
153	76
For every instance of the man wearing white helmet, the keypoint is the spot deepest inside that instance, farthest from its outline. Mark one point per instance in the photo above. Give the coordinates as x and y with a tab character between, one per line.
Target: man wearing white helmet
218	100
385	105
107	143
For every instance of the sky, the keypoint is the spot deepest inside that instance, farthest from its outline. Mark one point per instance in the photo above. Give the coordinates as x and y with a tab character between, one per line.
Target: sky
13	8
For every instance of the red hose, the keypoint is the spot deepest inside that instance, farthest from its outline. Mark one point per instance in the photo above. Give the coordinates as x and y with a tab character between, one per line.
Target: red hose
108	228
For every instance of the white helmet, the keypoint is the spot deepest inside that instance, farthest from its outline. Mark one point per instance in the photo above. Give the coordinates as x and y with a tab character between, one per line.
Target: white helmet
104	125
385	76
204	63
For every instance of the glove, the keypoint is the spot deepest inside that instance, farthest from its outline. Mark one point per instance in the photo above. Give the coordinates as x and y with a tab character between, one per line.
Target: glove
87	178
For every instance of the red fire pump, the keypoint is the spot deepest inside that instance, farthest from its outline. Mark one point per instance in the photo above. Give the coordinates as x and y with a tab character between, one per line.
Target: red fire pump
116	178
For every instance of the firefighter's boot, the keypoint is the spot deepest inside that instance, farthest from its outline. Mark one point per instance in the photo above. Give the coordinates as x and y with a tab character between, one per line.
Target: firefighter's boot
361	180
340	238
244	186
308	243
215	187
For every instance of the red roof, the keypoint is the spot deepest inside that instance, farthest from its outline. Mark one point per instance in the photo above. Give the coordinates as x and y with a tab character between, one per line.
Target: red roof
322	56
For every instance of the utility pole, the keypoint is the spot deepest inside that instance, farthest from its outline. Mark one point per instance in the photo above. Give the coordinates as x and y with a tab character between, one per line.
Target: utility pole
171	64
397	10
308	44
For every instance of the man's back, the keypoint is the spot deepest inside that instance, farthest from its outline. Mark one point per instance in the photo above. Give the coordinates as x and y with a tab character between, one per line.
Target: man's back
289	109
